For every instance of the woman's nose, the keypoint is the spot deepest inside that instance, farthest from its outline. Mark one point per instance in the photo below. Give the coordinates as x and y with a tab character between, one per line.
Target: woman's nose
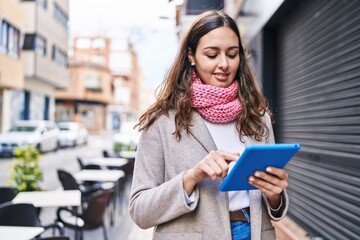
223	64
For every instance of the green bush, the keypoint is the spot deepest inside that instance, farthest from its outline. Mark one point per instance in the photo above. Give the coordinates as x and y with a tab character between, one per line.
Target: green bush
118	147
25	173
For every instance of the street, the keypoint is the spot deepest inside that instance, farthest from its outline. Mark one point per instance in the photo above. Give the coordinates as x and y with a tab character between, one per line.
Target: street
123	227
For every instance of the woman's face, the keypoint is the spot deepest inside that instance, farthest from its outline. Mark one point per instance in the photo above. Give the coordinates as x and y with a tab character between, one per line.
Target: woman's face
217	57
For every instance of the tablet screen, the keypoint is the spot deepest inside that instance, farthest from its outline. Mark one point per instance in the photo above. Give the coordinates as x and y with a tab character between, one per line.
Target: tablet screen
257	157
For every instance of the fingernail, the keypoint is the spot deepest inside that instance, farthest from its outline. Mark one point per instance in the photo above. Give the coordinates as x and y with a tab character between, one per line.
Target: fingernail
269	169
251	179
257	174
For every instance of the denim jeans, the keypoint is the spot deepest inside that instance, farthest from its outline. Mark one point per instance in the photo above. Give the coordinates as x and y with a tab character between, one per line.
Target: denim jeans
240	231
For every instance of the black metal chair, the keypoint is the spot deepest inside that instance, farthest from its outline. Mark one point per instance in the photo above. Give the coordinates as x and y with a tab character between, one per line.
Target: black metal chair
7	194
106	154
129	167
103	185
94	184
68	182
24	214
92	216
86	166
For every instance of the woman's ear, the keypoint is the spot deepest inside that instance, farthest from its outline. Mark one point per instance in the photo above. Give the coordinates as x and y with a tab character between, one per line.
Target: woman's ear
191	57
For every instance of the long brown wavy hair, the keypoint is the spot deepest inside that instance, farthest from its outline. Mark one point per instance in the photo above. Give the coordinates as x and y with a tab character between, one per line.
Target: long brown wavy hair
175	91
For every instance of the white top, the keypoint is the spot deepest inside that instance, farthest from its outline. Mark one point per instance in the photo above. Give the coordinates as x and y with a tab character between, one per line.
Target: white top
19	233
227	138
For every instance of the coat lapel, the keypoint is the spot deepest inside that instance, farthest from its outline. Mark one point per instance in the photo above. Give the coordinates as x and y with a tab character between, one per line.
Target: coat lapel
201	133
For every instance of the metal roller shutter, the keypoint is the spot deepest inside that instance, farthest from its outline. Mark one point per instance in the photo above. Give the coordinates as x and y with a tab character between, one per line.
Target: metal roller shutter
318	102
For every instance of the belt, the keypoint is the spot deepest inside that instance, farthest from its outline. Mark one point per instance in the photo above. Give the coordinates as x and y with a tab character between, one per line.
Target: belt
238	215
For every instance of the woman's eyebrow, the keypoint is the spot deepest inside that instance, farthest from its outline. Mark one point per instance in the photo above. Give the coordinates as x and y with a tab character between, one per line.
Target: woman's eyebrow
217	48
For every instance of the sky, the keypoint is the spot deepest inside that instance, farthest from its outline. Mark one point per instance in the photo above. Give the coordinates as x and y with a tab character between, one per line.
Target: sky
149	24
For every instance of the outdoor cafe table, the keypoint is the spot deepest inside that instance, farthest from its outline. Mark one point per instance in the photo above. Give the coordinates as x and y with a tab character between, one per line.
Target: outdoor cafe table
57	198
109	162
19	233
128	154
99	175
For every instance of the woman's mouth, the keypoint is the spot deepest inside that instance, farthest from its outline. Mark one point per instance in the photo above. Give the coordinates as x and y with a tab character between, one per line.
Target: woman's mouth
221	76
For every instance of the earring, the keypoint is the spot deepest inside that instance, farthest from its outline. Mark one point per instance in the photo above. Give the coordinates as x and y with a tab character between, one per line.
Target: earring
192	64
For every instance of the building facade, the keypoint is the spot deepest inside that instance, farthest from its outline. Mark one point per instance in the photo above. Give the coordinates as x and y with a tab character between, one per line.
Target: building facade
90	88
44	55
127	82
33	57
104	85
12	23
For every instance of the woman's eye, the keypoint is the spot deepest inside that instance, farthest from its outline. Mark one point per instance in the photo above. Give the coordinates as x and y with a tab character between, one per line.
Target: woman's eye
211	56
232	55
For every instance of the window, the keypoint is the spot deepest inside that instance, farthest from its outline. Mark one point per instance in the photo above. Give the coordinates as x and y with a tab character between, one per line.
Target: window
92	82
14	39
59	56
4	36
9	39
29	41
35	42
60	15
194	7
98	43
42	3
83	43
98	59
40	45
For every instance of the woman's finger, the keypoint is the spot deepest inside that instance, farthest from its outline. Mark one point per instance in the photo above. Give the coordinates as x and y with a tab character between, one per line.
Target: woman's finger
279	172
228	156
272	179
264	185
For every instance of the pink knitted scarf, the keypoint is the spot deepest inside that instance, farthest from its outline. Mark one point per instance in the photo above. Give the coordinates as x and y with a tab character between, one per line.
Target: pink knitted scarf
215	104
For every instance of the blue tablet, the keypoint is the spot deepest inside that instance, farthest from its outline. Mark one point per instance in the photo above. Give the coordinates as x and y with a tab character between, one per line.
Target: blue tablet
257	157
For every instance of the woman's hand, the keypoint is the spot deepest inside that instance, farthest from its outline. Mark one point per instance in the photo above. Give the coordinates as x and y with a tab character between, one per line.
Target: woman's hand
212	166
272	183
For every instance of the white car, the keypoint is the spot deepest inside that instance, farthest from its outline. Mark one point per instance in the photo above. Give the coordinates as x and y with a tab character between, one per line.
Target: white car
44	135
72	134
127	138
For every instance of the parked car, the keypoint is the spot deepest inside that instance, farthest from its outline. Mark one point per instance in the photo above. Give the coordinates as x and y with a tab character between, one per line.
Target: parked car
72	134
127	138
44	135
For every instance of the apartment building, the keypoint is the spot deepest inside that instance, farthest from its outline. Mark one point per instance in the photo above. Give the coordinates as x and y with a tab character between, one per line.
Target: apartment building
44	56
12	23
104	84
127	81
33	58
90	90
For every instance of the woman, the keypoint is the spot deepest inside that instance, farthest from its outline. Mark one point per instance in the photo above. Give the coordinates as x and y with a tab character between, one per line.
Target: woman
209	108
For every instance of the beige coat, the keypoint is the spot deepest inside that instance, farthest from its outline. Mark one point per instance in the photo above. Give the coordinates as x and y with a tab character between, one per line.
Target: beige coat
157	194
